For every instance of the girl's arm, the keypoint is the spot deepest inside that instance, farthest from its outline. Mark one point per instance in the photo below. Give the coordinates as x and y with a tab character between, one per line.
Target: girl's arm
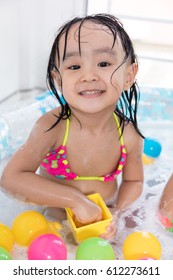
19	177
132	181
132	175
166	201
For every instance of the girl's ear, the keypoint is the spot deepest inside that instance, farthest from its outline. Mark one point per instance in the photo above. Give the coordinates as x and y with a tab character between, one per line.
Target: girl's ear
56	76
131	72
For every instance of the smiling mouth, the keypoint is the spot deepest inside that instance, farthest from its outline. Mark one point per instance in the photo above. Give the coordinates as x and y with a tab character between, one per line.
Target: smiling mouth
91	92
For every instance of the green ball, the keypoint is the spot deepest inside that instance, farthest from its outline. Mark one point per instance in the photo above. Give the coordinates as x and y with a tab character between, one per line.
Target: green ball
4	255
95	248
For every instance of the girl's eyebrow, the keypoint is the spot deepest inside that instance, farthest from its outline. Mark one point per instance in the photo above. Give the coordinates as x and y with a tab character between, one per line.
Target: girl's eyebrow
106	50
71	54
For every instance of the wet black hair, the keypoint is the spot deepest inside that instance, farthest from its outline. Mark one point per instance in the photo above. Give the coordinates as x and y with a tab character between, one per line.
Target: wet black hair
127	105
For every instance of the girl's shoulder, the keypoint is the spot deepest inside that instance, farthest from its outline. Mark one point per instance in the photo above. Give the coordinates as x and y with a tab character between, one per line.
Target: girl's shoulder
47	121
43	133
49	118
131	138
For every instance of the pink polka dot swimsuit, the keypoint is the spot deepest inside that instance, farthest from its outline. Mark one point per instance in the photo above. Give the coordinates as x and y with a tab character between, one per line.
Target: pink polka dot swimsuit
56	163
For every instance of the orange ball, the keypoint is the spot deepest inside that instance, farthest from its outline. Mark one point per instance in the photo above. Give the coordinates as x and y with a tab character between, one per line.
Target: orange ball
139	245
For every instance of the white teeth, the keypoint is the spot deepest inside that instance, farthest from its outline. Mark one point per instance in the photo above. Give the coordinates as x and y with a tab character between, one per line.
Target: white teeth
92	92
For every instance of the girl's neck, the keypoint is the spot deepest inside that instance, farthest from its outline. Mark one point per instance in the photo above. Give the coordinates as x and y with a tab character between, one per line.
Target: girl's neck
93	122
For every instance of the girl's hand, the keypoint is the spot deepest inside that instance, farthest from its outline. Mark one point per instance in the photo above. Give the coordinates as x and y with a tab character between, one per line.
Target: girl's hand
87	212
111	230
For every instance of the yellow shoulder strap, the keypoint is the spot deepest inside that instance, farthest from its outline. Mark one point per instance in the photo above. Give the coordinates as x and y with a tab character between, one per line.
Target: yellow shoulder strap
117	122
66	132
119	129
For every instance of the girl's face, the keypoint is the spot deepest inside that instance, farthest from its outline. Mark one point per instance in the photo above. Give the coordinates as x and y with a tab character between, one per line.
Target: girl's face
88	81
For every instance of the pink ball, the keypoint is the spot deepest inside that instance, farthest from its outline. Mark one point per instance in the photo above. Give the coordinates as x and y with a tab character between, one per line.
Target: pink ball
47	247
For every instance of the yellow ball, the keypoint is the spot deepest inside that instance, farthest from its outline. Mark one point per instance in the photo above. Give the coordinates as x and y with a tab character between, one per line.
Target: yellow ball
6	237
147	160
54	228
28	225
140	245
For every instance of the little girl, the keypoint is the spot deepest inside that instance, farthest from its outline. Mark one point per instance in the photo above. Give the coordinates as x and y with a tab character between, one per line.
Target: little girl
83	145
166	205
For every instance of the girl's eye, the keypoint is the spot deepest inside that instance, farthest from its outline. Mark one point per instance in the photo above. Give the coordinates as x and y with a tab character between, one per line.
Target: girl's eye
74	67
104	64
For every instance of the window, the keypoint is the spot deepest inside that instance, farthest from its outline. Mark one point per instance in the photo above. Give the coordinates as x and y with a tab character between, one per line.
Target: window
150	26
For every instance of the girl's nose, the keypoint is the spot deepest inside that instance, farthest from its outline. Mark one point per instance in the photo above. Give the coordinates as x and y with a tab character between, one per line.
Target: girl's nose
89	76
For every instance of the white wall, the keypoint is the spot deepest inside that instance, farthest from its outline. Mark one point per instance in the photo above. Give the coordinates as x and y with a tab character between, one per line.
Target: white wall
9	54
27	29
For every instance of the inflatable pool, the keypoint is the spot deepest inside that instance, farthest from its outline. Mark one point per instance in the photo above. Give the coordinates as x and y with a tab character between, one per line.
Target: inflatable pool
155	118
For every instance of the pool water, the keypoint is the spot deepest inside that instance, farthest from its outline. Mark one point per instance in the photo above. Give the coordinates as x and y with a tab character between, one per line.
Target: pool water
155	119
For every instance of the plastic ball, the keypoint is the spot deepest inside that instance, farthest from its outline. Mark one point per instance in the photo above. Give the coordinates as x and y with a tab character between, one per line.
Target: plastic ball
95	248
4	254
54	227
139	245
167	223
30	224
152	147
6	237
47	247
147	160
